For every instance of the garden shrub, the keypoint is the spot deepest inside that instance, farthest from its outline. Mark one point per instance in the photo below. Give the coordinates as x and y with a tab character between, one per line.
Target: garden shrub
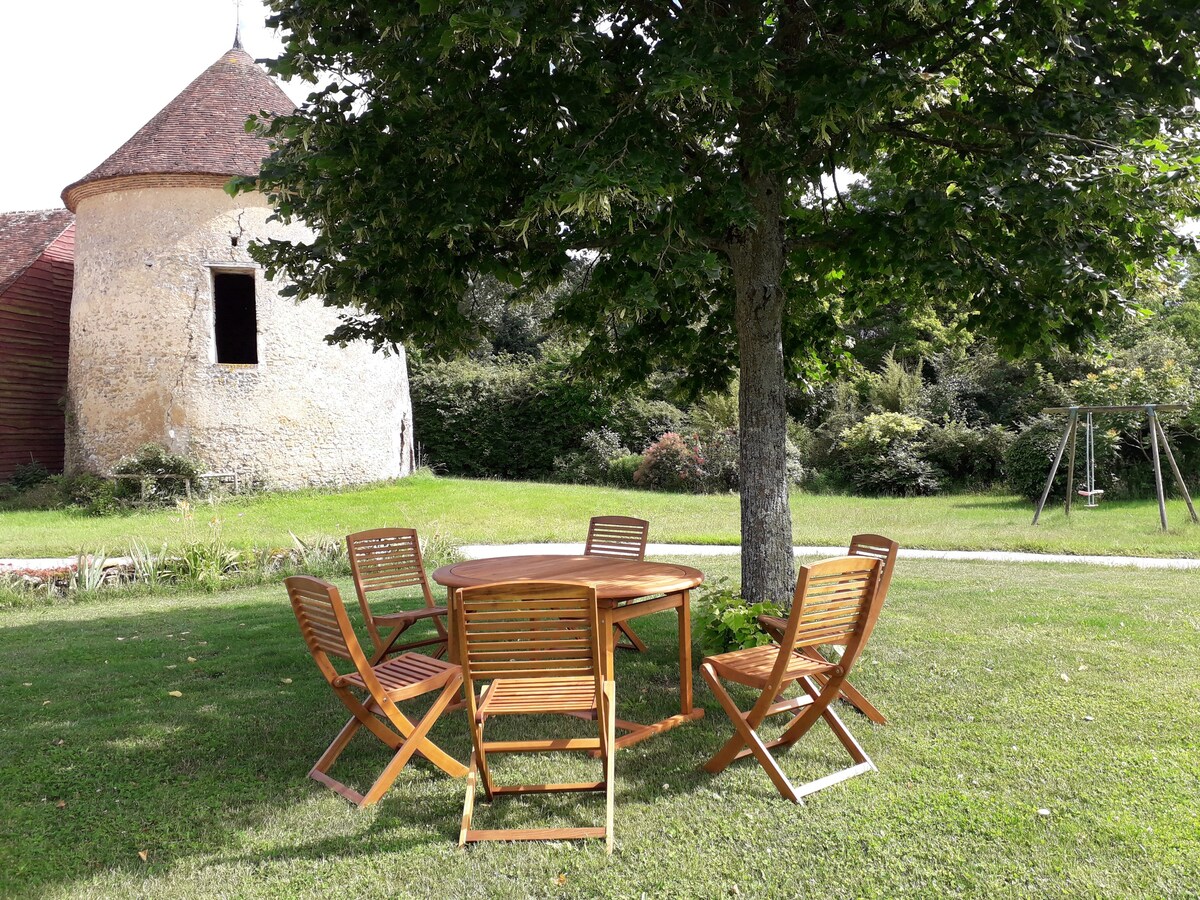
718	458
590	465
882	454
31	474
1030	454
895	388
640	422
511	418
980	388
622	469
967	457
163	477
95	495
728	622
41	496
670	464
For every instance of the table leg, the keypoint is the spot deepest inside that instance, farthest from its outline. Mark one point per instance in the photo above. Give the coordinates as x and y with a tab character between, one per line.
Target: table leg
635	732
685	653
451	636
607	642
460	701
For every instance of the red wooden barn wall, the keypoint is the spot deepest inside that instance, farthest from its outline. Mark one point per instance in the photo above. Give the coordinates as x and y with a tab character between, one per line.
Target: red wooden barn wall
35	315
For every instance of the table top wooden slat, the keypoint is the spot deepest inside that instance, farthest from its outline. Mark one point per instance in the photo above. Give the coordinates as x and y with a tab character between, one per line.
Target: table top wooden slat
613	579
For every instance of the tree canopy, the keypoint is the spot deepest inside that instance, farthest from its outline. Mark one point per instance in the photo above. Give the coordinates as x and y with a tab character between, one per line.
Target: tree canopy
744	180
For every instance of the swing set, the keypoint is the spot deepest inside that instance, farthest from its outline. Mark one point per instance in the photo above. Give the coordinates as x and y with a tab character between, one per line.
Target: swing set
1090	492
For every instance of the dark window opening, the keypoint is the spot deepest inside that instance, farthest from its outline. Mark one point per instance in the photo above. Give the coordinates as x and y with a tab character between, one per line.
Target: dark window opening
235	319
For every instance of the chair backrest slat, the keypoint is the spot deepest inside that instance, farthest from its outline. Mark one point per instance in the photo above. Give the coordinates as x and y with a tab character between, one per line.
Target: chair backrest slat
322	617
386	558
619	536
834	603
528	630
876	546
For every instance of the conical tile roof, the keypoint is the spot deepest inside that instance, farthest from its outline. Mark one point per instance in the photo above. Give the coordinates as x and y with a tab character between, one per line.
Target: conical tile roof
199	133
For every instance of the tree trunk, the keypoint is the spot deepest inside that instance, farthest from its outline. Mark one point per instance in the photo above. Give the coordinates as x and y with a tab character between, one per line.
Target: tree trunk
757	262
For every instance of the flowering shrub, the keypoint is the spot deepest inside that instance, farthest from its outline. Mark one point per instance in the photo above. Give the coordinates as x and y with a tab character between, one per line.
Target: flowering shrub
671	463
883	454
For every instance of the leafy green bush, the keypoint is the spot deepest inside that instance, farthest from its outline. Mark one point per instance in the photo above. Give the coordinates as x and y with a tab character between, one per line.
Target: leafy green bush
967	457
728	622
95	495
640	422
590	465
511	418
622	469
895	388
161	477
29	475
882	454
718	459
1030	454
979	388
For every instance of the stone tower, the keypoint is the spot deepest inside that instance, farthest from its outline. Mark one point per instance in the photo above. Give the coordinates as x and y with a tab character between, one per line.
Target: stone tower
177	338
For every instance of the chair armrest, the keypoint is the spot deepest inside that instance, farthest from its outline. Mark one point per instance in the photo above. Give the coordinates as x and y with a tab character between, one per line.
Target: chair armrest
410	615
773	625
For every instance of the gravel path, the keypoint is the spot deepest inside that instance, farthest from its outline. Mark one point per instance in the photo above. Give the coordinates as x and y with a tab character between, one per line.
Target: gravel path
483	551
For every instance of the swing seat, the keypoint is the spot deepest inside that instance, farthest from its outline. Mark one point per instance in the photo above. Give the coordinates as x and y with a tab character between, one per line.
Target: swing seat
1096	493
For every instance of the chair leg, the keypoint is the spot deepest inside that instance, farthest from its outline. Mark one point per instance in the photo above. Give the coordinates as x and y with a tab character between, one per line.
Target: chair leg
862	762
322	766
745	736
480	757
469	802
635	642
412	739
852	696
416	735
478	771
849	692
609	726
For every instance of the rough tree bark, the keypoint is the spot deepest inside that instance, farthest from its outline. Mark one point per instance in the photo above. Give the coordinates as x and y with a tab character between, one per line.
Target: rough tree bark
757	263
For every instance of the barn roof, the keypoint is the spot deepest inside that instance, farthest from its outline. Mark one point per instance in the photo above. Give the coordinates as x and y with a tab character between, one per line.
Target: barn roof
201	132
24	236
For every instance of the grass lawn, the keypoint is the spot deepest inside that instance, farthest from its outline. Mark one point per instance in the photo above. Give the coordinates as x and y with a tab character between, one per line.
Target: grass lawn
1011	689
508	512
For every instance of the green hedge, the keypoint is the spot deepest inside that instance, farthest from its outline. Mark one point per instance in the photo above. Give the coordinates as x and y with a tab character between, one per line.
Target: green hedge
507	419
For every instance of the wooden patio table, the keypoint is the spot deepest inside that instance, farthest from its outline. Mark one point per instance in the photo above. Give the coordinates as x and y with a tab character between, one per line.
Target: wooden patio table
625	589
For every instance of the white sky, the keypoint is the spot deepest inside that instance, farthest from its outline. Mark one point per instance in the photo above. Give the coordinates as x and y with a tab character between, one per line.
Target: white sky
79	77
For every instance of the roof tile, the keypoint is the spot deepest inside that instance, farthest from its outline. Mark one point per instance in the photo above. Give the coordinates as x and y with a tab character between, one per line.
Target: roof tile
201	131
24	236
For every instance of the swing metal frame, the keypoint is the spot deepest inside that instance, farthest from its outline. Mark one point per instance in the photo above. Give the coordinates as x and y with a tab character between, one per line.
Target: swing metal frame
1158	438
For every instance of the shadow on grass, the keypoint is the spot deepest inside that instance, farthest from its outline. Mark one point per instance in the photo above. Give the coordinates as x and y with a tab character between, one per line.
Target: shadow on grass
99	754
101	757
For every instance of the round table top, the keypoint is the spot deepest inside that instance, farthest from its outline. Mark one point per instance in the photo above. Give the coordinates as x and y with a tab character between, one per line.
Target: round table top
613	578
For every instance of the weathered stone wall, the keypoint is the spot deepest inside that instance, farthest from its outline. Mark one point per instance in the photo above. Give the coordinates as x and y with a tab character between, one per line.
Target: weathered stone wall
142	360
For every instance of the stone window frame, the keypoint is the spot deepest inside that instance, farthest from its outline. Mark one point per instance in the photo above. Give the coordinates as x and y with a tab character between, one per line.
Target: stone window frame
233	268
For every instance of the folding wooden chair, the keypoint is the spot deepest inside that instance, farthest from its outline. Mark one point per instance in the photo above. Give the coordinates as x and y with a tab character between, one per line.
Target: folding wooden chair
539	645
625	538
328	632
876	547
389	559
837	601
